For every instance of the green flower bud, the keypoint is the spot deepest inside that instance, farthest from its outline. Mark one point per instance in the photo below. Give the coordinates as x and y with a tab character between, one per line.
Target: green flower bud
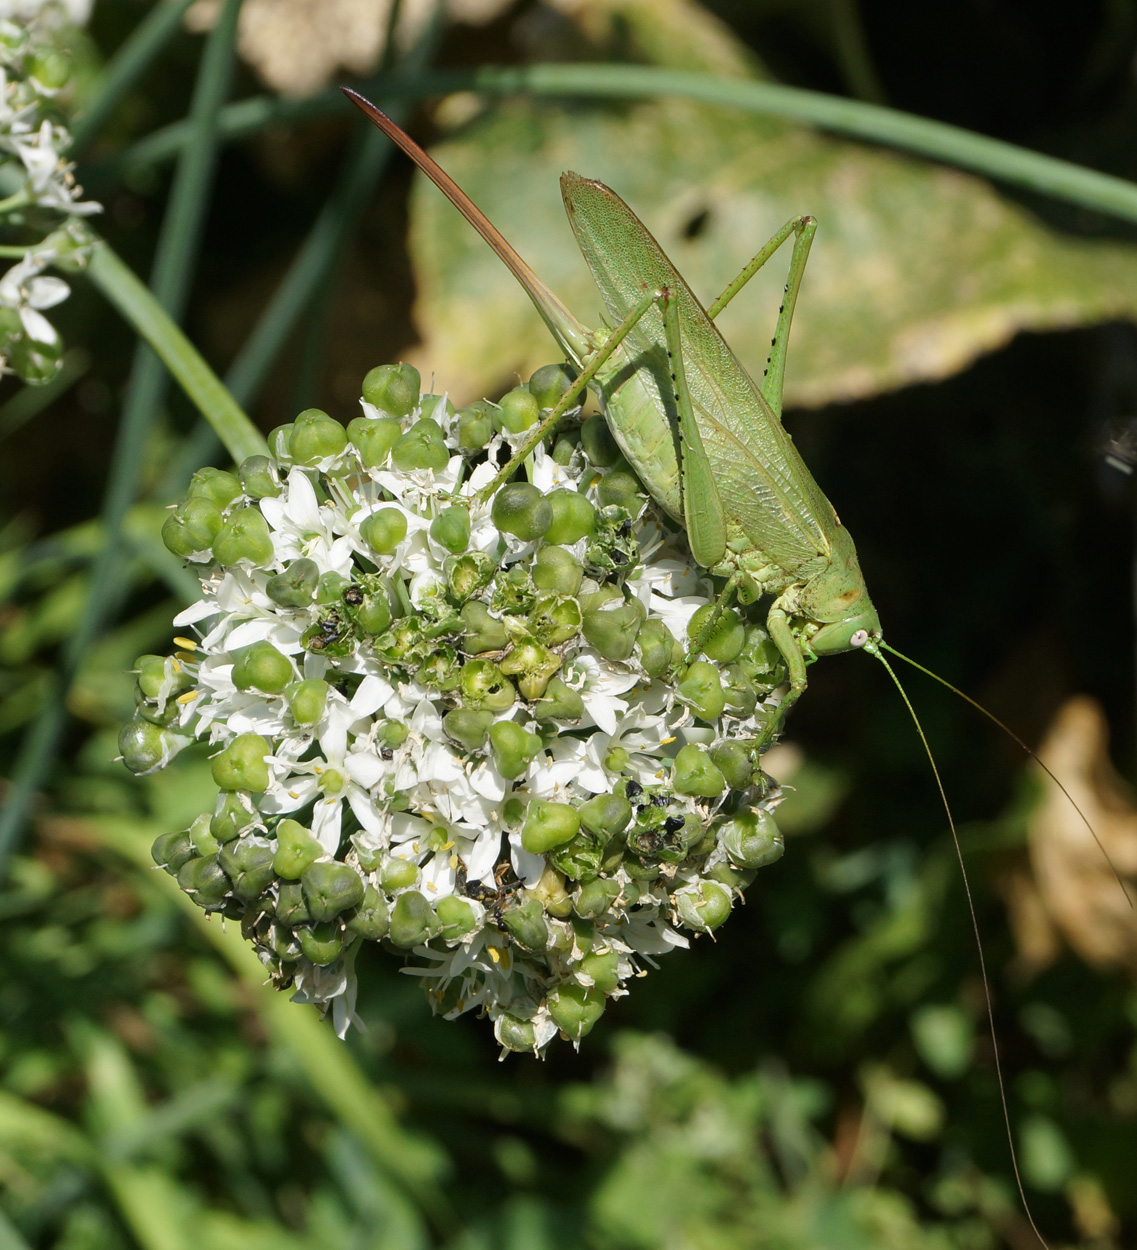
612	631
192	527
456	916
737	760
383	530
278	440
467	728
242	766
171	850
701	689
146	747
398	874
575	1010
467	575
596	897
412	920
555	619
451	529
393	388
391	733
526	925
295	587
321	943
296	850
620	488
248	862
548	825
257	478
599	445
606	815
291	905
695	773
235	813
475	426
204	843
520	509
373	438
315	436
203	880
372	918
518	410
558	570
260	666
330	588
216	485
155	672
512	748
483	686
244	536
658	647
550	383
703	907
752	839
483	632
603	969
50	68
726	640
574	517
421	447
331	888
559	702
515	1034
531	665
307	700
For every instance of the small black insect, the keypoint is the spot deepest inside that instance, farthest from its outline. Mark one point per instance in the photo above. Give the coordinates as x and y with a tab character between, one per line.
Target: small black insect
353	596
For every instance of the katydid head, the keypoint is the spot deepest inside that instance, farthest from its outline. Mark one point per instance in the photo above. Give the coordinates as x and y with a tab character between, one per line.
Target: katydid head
851	634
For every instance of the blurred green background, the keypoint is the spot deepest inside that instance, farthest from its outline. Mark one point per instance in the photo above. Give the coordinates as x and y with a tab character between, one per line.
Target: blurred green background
963	383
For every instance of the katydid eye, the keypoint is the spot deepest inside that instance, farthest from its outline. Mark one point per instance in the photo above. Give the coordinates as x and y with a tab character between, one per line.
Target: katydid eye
859	638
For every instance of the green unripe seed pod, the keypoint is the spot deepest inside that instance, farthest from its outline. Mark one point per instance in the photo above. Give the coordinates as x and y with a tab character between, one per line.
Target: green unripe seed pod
216	485
171	850
242	766
483	632
235	813
321	943
391	733
518	410
204	843
456	916
574	517
52	69
594	898
599	445
512	747
520	509
451	529
613	631
559	702
526	925
616	760
728	638
261	666
394	389
330	588
145	746
315	436
696	774
295	587
248	863
291	905
244	536
372	919
331	888
296	850
621	488
575	1010
192	527
421	447
558	570
383	530
739	691
703	907
513	810
548	825
307	700
373	438
475	426
550	383
469	574
752	839
555	618
398	874
701	689
530	665
484	686
659	648
150	675
606	815
467	728
515	1034
438	408
412	920
734	759
204	881
257	478
278	439
603	969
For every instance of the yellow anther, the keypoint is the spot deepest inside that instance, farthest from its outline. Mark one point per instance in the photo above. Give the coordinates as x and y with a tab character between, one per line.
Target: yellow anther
186	644
187	697
663	742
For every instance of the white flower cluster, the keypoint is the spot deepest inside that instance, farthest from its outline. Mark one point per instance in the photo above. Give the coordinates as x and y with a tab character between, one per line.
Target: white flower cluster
38	188
466	727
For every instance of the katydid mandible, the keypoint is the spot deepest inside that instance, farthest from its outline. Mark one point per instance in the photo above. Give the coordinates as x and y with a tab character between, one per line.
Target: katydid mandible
704	438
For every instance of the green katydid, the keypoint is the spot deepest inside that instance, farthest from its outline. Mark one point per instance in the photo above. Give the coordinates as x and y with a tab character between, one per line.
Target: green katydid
705	440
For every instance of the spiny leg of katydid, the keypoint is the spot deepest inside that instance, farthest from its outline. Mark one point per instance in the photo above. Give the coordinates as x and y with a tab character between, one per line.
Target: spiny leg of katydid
595	364
803	228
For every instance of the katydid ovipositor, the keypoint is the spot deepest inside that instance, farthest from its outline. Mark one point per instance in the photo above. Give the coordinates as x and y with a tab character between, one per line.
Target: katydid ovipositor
705	440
